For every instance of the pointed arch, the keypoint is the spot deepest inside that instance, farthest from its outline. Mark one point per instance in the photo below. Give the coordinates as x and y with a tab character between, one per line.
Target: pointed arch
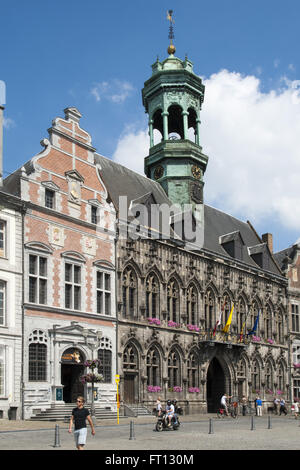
154	366
173	299
174	364
152	289
192	302
129	284
210	302
193	368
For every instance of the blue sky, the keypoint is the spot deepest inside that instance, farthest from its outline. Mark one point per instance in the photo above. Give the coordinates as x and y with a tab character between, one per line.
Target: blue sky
96	55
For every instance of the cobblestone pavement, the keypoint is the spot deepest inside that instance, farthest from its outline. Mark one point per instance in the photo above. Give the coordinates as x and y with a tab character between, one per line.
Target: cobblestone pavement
195	433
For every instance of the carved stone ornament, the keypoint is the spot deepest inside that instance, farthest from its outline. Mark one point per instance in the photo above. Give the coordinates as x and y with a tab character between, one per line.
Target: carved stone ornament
196	193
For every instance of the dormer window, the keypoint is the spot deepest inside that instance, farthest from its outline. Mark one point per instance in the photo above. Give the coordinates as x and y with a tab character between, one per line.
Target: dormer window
233	244
259	255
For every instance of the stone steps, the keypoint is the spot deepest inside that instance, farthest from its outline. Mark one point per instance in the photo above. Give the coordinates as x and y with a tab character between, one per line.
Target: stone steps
63	413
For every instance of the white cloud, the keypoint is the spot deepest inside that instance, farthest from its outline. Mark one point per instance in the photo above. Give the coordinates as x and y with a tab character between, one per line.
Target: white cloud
8	123
116	91
252	140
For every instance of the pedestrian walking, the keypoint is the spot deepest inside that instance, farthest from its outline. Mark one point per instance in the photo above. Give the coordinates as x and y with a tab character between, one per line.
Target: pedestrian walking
158	408
282	407
277	405
295	409
244	402
79	417
259	406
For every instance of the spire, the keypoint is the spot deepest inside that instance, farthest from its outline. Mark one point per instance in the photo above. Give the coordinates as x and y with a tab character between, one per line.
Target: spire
171	48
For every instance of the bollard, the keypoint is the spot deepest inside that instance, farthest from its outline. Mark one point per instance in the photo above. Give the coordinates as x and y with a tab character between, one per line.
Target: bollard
211	431
57	439
269	422
252	423
132	437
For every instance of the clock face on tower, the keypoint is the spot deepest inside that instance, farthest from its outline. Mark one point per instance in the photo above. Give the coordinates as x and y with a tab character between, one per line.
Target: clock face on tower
196	171
158	172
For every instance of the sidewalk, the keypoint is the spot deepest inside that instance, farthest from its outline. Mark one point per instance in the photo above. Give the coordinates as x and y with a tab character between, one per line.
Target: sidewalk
27	425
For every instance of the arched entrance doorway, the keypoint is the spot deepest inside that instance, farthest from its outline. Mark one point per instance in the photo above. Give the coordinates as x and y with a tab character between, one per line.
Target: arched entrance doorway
215	385
72	367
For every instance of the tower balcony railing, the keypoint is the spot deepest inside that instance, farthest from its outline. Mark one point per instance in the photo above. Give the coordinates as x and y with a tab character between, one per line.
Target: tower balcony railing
220	337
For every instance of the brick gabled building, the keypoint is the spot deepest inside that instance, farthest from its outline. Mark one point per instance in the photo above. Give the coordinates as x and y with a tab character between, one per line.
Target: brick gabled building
69	261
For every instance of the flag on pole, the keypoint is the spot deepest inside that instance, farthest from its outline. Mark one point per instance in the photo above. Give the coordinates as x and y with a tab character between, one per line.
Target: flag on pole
251	332
219	320
226	327
242	330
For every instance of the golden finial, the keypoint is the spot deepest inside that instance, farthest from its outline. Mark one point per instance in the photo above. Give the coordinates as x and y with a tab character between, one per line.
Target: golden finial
171	48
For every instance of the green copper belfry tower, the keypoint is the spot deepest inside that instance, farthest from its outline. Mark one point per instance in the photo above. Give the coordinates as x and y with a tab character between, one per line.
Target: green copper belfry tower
172	97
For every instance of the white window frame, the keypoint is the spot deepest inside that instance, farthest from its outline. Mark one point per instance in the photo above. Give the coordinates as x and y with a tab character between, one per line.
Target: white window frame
106	293
4	322
73	284
2	371
3	251
38	277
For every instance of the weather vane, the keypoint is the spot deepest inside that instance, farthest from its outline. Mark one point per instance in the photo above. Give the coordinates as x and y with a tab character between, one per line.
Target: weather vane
171	48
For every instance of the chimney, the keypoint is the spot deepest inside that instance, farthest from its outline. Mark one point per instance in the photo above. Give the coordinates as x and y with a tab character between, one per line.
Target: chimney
1	144
268	239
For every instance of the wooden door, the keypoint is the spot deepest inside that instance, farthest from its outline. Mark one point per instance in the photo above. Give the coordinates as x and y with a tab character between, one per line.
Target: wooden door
129	393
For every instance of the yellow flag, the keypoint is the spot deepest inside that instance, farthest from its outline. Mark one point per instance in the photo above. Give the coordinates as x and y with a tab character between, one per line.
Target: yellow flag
226	327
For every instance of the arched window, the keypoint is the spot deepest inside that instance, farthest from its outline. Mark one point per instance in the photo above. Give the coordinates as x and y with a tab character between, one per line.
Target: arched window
129	286
174	376
252	317
192	370
241	369
225	307
173	300
105	357
152	296
256	376
153	367
279	327
241	314
268	322
280	378
130	358
37	367
191	304
209	309
269	376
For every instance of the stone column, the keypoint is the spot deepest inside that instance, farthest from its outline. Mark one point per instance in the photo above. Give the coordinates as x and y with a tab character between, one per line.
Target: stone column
151	133
165	116
198	122
185	124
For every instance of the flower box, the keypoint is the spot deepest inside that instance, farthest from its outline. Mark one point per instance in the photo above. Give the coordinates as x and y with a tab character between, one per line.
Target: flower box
297	366
153	388
194	390
173	324
193	328
175	389
270	341
154	321
256	339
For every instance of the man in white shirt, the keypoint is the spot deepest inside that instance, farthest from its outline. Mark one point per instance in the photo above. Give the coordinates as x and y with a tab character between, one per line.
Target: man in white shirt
170	410
224	403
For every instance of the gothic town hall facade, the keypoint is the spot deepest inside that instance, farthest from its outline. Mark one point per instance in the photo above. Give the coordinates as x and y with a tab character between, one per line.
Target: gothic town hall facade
146	303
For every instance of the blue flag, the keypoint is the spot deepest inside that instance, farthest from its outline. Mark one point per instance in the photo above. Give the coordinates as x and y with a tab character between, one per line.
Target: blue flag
253	331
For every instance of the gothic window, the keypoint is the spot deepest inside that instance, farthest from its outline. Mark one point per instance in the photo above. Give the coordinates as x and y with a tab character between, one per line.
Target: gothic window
173	300
269	376
255	376
210	303
241	314
268	322
130	358
280	331
192	370
105	357
37	367
280	378
296	352
296	389
253	314
241	369
152	296
226	307
174	377
153	367
191	305
129	291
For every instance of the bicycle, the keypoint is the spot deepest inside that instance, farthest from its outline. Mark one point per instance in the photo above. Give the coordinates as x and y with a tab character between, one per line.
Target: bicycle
221	413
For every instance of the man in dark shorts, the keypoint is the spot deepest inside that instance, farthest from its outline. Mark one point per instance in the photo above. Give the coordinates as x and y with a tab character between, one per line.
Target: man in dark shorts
79	417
